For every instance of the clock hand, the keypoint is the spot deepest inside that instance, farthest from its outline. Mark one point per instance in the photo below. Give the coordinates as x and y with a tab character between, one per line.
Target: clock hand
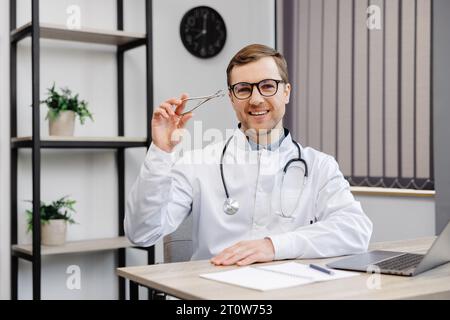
204	22
205	16
200	34
204	30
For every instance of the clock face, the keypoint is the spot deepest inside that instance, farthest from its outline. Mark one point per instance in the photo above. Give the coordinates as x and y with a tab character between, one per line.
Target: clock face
203	32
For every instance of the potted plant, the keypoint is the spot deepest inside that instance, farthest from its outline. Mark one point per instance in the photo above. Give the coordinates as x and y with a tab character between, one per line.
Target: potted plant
54	219
62	109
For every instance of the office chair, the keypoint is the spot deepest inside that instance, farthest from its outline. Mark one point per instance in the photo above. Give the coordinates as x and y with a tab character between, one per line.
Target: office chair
178	245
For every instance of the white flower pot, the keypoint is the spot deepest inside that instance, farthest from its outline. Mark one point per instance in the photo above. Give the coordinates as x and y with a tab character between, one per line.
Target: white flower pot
63	125
53	233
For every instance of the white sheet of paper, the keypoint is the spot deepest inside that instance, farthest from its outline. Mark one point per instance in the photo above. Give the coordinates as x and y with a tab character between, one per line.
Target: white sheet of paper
304	270
255	278
272	277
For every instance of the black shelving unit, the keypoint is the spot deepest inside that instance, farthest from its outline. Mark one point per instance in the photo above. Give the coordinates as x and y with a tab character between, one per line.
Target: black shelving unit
123	41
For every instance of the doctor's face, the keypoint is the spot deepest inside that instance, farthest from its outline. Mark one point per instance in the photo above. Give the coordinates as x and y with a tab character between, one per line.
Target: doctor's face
259	111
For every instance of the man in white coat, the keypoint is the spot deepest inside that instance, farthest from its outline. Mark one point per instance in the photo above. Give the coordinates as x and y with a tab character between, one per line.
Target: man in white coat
257	196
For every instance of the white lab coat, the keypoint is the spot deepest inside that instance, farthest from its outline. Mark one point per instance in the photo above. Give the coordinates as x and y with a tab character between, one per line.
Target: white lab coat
327	221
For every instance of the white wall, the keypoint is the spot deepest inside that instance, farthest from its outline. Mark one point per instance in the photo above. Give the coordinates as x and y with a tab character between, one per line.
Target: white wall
90	70
396	218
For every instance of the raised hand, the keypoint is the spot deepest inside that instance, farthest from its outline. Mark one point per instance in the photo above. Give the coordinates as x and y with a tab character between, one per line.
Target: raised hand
167	122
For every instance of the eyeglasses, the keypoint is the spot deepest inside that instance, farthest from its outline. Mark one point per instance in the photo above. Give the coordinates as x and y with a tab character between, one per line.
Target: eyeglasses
266	87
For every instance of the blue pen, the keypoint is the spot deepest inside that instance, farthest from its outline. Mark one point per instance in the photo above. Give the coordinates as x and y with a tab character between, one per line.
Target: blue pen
321	269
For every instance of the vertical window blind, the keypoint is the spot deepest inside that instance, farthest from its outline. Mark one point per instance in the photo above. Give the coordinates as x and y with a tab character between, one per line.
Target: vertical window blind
363	94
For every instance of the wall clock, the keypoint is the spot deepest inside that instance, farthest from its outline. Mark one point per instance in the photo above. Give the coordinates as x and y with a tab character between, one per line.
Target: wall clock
203	32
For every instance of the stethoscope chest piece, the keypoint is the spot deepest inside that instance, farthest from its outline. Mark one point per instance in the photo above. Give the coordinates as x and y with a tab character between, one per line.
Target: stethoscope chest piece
230	206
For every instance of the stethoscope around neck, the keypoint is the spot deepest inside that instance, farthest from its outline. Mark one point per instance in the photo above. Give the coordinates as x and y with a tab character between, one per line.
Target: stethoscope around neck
230	205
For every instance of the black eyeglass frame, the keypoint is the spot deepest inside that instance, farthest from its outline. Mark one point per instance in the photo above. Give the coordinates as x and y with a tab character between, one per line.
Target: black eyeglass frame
231	88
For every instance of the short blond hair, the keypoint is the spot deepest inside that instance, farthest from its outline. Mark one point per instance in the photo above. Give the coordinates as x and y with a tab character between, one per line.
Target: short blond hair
254	52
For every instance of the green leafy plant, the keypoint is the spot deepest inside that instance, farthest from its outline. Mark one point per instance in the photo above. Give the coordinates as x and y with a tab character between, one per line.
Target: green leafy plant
65	101
59	209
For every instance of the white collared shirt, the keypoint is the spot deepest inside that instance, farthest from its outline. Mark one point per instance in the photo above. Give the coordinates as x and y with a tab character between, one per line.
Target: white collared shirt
325	220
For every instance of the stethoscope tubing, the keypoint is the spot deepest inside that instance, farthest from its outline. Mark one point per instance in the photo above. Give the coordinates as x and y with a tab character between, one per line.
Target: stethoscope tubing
286	167
221	167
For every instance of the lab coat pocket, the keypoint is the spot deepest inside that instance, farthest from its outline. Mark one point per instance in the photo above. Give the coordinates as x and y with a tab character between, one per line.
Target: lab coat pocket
289	204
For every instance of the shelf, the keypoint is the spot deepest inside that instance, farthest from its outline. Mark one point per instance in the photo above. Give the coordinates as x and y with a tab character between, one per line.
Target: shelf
76	246
119	42
81	142
60	32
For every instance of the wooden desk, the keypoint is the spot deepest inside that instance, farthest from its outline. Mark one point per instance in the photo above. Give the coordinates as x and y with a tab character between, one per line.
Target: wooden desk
181	280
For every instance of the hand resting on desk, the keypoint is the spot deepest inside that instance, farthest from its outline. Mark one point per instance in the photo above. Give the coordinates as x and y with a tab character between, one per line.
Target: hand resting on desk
246	252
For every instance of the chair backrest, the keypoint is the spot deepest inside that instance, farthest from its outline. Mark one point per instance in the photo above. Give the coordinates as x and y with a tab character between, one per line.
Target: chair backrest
178	245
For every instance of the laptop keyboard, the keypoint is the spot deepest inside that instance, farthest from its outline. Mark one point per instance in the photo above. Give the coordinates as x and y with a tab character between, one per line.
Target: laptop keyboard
402	262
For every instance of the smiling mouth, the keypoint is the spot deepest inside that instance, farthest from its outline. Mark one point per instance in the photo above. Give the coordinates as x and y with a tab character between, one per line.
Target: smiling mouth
258	113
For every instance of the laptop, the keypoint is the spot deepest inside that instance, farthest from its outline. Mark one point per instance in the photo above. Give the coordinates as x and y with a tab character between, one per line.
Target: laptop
399	263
